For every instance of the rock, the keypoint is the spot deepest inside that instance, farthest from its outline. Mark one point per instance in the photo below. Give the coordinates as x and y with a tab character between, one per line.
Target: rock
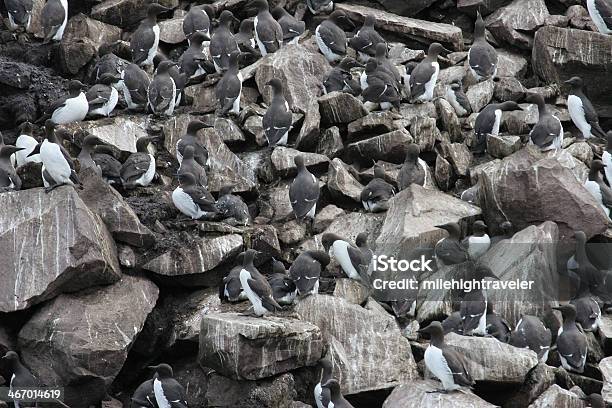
410	112
578	17
557	21
374	123
517	122
268	393
487	167
326	216
291	232
449	119
443	172
412	216
251	348
198	263
330	143
117	215
578	168
512	25
59	238
341	183
340	108
503	146
278	198
389	147
605	333
581	151
588	54
510	64
63	341
538	380
509	89
282	160
480	94
458	155
418	394
310	130
259	162
229	131
559	197
353	330
126	255
264	239
186	312
82	38
605	366
425	132
485	6
301	71
351	291
405	9
191	376
556	396
171	31
121	132
124	13
423	31
203	97
349	226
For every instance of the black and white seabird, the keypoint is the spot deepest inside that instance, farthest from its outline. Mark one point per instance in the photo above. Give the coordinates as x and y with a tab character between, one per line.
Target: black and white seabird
507	232
139	168
547	134
414	169
162	91
109	165
341	79
229	88
73	108
606	158
350	258
482	57
103	97
180	81
58	166
306	271
331	39
20	377
85	157
283	287
194	64
304	192
256	287
232	208
191	138
376	194
109	63
586	274
598	188
292	28
8	175
588	312
192	199
497	326
145	39
571	341
168	392
424	76
488	122
190	165
446	363
473	307
601	14
320	6
19	13
458	99
379	88
366	252
367	39
135	87
144	395
450	250
54	17
231	288
452	323
245	38
268	32
385	64
336	399
222	42
26	141
531	333
197	20
581	110
278	118
326	367
479	242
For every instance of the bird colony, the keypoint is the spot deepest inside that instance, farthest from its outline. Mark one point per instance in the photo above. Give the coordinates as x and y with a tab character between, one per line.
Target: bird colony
196	198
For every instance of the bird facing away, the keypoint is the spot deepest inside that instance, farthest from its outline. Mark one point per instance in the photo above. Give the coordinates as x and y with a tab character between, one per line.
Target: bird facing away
482	57
304	191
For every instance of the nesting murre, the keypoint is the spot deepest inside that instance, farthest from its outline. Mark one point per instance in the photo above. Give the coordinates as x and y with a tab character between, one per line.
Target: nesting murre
482	57
54	17
326	368
488	122
145	39
385	64
547	134
292	28
450	250
473	308
479	242
331	39
19	13
305	271
192	199
168	392
73	108
139	168
531	333
197	20
379	88
341	79
268	32
162	91
135	87
190	165
367	39
278	118
144	395
581	110
376	194
194	64
229	88
222	43
109	165
231	288
109	63
424	76
350	258
232	208
85	157
191	138
571	341
414	169
304	192
256	287
103	97
284	290
497	326
458	99
20	377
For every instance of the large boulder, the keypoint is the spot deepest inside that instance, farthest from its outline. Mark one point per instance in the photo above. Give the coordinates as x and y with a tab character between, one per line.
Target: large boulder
353	330
251	348
404	8
605	366
558	397
80	341
560	53
340	108
300	70
529	188
274	392
51	243
388	147
513	25
418	394
341	182
120	132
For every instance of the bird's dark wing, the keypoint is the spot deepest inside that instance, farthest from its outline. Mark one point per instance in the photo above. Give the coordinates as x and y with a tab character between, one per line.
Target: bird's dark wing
309	274
60	103
110	166
356	257
330	32
141	42
160	93
605	10
135	166
304	194
201	197
451	252
423	70
52	17
276	122
484	122
572	347
457	364
546	131
483	59
262	288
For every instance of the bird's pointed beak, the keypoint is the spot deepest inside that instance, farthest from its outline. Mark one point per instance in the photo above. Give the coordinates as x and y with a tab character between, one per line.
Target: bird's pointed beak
35	151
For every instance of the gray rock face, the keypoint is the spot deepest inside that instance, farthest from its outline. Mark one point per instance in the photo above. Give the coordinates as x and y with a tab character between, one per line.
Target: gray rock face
282	160
503	146
416	394
388	147
560	53
301	71
197	263
59	238
412	217
538	380
425	132
276	392
353	330
340	107
425	31
310	130
251	348
449	119
605	366
80	341
480	94
117	215
553	194
121	132
405	8
556	396
513	25
187	312
330	143
124	13
341	182
171	31
510	64
351	291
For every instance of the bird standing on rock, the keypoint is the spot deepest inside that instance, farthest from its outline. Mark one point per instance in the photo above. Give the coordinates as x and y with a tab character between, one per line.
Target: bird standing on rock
19	13
193	62
8	176
85	155
331	39
20	376
350	258
450	250
531	333
168	392
54	17
488	122
479	242
571	342
482	57
601	14
162	91
192	199
473	309
135	87
598	188
108	63
306	271
229	88
367	39
385	64
547	134
424	76
581	110
336	399
190	165
145	39
74	108
110	166
304	192
376	195
191	138
26	141
103	97
197	20
284	290
222	42
379	88
139	168
326	368
292	28
341	79
268	32
414	169
277	119
457	98
256	287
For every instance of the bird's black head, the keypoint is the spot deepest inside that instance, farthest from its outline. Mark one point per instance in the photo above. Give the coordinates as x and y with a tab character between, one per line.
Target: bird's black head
435	49
299	161
75	87
506	227
233	59
510	106
155	9
328	240
259	5
369	21
381	50
453	229
197	38
165	66
575	82
347	63
362	239
91	141
597	165
7	150
196	125
567	310
434	328
276	85
247	26
342	19
580	237
371	66
379	172
162	370
479	227
479	26
278	12
412	153
143	143
333	385
249	256
536	98
108	79
26	128
227	18
11	357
